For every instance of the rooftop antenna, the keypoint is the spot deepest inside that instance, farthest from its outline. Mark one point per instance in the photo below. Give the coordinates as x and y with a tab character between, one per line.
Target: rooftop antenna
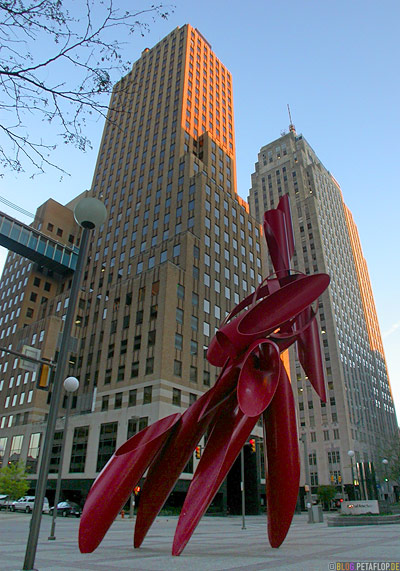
292	128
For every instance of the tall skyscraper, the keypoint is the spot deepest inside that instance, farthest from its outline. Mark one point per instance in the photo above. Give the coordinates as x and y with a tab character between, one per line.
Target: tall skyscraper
177	252
359	414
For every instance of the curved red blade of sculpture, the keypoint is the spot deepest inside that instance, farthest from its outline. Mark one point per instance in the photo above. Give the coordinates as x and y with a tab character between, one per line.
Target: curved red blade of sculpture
279	307
282	460
309	352
230	432
267	315
278	232
258	377
117	480
166	469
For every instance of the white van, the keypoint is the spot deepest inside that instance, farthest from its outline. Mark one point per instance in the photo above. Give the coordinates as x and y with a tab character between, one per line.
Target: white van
25	504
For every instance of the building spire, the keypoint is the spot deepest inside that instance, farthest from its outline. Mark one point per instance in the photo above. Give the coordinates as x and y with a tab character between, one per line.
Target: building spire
292	128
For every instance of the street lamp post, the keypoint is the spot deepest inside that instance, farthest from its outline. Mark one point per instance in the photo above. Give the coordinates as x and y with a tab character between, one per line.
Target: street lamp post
385	462
89	213
351	454
71	384
242	488
307	482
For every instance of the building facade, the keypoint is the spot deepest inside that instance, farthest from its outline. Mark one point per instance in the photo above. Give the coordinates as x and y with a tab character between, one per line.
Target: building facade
359	414
178	250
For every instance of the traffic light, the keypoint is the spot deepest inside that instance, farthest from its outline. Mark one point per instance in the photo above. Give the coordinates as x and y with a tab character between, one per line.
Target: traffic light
137	490
252	443
340	479
198	452
43	377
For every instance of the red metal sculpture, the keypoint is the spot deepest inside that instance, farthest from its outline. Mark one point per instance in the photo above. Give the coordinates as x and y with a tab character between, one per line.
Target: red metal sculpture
253	382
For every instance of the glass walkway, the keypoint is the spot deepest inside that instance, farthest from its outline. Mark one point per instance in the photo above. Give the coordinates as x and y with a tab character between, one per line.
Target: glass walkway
35	246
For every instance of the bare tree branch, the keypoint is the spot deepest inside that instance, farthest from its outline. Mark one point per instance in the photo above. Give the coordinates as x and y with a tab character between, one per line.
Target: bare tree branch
69	84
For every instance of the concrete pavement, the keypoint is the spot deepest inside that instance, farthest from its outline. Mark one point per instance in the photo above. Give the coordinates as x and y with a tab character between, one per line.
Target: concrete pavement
217	544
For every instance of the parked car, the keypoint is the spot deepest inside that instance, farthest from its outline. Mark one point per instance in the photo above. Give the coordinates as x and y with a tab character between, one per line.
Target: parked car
25	504
5	502
67	508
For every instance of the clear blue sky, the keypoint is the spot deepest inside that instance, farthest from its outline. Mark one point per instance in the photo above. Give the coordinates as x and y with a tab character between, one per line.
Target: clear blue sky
336	63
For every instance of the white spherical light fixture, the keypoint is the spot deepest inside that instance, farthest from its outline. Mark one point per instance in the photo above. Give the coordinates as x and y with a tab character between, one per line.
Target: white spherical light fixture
90	212
71	384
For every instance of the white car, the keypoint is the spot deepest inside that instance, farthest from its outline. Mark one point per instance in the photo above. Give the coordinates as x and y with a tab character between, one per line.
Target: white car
5	502
25	504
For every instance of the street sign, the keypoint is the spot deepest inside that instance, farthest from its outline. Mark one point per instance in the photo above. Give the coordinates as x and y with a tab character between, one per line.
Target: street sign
32	352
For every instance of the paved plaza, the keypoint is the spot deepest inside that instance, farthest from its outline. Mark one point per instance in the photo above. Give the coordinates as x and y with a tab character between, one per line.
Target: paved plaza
217	544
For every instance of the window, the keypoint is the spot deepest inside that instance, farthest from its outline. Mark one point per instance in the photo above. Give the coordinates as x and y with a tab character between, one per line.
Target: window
33	452
151	338
118	400
206	378
177	368
179	315
193	374
147	394
153	311
107	444
135	369
56	451
149	365
326	434
180	291
176	397
178	341
134	426
194	323
79	448
104	403
137	342
132	397
193	347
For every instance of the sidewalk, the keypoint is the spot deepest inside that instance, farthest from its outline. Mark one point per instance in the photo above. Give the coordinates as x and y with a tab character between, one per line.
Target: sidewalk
217	544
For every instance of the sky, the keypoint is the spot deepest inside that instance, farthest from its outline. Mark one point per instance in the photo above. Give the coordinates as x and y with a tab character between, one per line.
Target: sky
335	62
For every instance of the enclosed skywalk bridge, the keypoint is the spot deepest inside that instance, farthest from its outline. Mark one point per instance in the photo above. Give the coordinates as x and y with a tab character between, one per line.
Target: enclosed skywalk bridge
36	246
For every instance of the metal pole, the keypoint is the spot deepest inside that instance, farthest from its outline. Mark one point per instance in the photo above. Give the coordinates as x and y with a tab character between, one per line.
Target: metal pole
352	478
387	484
27	358
258	469
132	506
307	482
40	491
242	488
60	468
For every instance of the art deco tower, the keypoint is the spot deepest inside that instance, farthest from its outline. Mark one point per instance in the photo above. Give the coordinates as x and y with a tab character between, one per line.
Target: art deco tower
359	414
177	251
